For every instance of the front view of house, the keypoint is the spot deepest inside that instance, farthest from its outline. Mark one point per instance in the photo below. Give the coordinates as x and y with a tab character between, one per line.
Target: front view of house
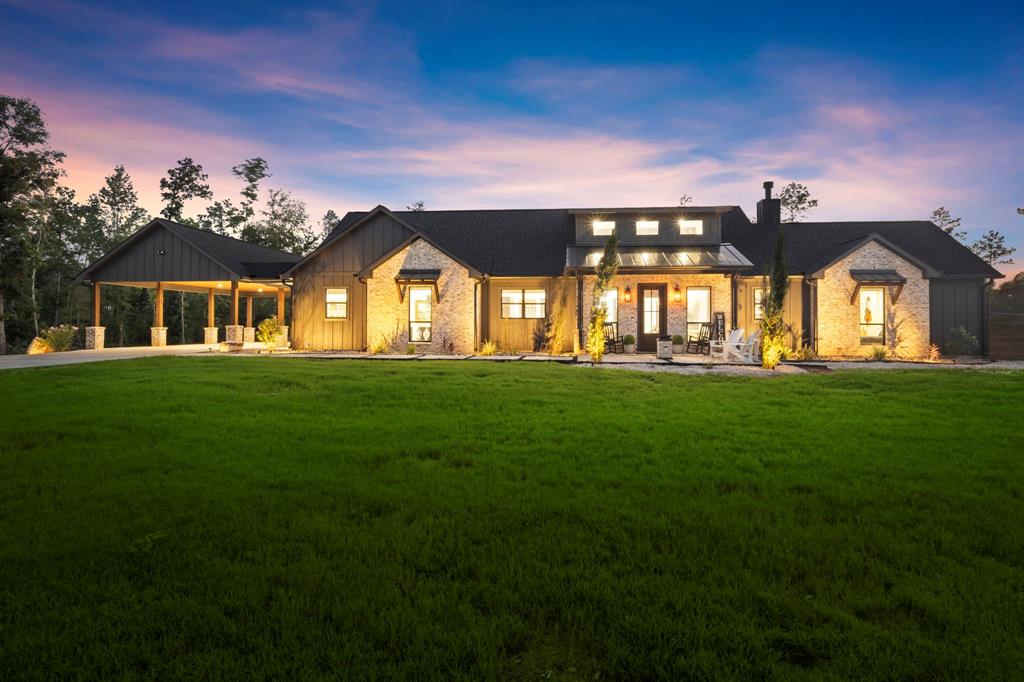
452	280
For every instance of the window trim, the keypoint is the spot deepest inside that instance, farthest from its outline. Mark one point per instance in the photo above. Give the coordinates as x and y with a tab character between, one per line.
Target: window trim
327	303
522	303
711	308
871	341
607	291
429	323
758	308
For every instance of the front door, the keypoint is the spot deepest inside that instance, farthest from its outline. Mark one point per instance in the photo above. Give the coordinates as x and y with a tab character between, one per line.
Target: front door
652	315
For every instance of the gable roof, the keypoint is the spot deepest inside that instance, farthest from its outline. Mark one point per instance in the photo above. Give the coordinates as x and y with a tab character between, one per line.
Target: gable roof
244	259
809	247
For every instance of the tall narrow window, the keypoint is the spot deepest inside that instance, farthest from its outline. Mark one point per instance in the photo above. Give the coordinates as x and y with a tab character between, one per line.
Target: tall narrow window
420	314
758	303
602	228
872	315
611	305
652	311
337	303
698	308
647	227
517	304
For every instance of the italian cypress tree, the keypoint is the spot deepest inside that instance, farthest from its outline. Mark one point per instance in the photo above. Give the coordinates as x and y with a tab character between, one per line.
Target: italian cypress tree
604	272
773	328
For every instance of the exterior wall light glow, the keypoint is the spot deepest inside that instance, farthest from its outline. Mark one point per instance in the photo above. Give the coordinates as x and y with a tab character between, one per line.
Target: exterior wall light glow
602	228
677	295
627	295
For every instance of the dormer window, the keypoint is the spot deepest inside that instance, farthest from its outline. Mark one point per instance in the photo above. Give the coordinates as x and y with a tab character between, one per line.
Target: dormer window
603	228
691	227
647	228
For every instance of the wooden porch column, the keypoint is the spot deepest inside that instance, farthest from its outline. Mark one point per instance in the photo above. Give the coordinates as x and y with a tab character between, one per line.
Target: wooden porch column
234	302
158	307
280	304
210	306
96	304
248	311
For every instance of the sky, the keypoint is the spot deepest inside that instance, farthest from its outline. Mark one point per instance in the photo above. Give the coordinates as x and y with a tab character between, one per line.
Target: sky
884	110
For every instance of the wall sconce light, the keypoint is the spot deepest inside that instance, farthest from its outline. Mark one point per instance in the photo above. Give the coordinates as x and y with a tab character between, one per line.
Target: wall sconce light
677	295
627	295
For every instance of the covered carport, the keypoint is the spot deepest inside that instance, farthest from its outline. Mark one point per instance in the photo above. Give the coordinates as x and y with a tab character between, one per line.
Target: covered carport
169	256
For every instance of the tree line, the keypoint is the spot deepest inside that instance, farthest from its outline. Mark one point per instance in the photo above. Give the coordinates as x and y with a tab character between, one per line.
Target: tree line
48	235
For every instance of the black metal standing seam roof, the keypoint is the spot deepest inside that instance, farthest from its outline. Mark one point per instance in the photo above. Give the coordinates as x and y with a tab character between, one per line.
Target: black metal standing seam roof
243	258
811	246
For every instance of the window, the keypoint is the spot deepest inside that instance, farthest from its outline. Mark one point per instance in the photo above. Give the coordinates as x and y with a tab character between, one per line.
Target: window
337	304
698	308
691	226
611	305
421	301
872	315
647	227
517	304
652	311
758	303
603	228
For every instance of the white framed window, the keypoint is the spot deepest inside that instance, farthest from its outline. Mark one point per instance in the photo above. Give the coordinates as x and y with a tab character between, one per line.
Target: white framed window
647	227
517	304
698	309
872	315
336	301
691	226
758	302
603	228
421	312
611	304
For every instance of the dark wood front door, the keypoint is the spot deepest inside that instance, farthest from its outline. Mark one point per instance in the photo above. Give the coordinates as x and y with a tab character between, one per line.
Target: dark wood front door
651	316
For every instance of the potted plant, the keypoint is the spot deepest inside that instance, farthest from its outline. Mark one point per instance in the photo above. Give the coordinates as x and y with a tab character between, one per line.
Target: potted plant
677	344
629	342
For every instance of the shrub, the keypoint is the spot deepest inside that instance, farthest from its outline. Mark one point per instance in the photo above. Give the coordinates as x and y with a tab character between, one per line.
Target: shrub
387	341
959	341
410	349
268	331
677	340
879	354
447	345
39	346
61	337
934	353
488	348
629	340
804	353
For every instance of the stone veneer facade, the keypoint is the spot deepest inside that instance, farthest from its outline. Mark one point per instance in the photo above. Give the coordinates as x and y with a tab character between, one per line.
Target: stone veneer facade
721	299
452	316
838	319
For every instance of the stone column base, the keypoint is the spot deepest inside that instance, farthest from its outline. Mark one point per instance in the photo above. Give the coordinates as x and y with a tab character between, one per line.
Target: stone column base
282	339
94	337
158	336
233	333
248	334
210	335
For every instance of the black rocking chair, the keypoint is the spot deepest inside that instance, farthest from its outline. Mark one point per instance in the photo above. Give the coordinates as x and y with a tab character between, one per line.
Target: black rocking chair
612	341
702	342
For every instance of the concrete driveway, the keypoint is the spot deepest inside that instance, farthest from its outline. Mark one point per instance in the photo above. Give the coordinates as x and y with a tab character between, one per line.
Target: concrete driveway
77	356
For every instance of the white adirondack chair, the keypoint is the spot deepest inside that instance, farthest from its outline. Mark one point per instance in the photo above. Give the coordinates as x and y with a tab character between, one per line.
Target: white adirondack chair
745	350
718	346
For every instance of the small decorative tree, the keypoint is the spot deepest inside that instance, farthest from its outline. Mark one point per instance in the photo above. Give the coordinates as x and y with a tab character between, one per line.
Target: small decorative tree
604	273
268	331
773	327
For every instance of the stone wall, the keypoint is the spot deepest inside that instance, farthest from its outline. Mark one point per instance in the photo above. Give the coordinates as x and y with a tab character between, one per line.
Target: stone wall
452	316
721	299
838	318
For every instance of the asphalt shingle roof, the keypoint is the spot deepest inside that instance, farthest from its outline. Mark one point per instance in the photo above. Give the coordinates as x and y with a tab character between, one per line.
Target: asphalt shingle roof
244	258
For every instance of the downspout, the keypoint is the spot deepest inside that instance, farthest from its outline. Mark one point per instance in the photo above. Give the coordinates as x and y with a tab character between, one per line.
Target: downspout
814	313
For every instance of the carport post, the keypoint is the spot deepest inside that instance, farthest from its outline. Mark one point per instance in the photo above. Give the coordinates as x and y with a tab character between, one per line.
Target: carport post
233	332
158	332
280	304
248	334
210	332
94	335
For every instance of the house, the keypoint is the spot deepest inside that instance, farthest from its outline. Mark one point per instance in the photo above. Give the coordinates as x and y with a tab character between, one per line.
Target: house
450	280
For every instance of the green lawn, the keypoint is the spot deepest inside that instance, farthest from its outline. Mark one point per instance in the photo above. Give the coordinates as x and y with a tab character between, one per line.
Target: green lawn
244	517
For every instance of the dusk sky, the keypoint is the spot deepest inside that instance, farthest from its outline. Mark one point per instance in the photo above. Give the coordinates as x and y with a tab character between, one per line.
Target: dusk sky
885	111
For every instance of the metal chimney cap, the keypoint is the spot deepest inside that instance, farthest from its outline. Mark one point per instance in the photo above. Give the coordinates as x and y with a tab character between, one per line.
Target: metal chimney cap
768	184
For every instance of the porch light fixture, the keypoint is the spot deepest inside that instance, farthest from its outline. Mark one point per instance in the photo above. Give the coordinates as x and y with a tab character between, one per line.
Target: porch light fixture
627	295
677	295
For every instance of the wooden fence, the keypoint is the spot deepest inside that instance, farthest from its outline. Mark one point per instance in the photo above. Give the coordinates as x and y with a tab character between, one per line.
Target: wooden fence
1006	336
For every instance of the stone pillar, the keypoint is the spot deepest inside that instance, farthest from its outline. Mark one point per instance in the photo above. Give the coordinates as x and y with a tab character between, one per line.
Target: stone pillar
158	336
233	334
248	334
282	339
234	302
94	337
210	335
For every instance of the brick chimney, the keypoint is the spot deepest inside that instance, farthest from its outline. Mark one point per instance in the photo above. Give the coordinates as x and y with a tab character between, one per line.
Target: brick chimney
769	211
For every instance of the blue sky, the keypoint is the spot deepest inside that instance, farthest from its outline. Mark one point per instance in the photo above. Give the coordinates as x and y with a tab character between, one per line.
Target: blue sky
884	110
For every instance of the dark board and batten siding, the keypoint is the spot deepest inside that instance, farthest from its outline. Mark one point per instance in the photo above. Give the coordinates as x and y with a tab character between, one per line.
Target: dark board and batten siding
142	261
338	265
958	303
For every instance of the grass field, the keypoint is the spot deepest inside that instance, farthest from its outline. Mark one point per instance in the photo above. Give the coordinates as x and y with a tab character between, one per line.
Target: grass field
230	517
